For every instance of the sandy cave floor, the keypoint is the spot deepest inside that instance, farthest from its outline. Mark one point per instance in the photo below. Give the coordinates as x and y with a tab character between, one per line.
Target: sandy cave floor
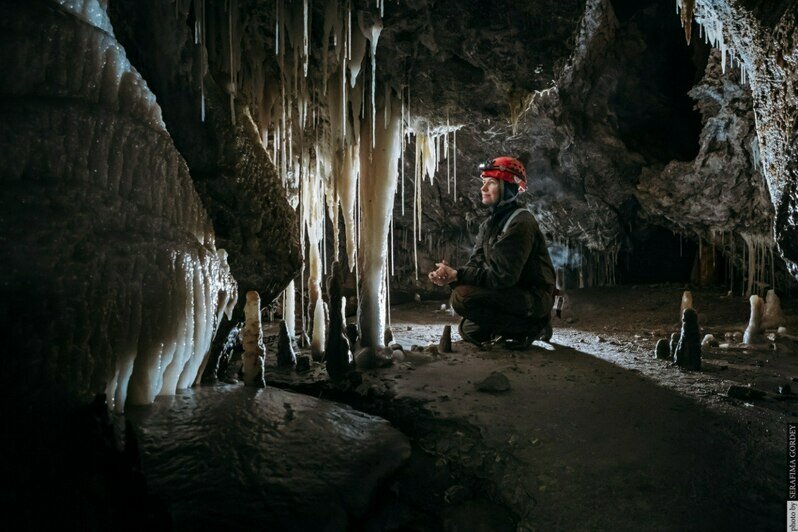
594	433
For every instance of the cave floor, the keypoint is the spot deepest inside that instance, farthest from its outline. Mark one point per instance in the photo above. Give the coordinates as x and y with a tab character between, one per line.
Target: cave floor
594	432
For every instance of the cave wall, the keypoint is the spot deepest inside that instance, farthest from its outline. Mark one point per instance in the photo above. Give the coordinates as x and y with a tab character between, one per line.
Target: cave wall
638	130
185	57
763	37
111	280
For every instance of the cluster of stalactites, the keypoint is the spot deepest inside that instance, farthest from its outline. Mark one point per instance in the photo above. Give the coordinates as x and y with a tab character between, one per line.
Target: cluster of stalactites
750	263
711	29
433	146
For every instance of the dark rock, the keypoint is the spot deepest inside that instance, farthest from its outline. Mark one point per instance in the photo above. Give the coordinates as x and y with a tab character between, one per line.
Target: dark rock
745	393
354	378
220	358
352	335
397	347
283	435
369	358
286	357
302	363
387	336
663	350
445	344
337	348
785	389
688	350
493	383
230	359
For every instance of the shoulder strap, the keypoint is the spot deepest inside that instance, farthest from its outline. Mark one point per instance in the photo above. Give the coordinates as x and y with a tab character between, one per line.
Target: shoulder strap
510	218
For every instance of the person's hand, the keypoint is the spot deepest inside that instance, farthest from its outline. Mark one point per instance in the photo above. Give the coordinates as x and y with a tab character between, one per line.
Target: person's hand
444	275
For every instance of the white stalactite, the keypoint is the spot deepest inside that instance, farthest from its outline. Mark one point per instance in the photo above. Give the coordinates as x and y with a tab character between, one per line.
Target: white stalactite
378	180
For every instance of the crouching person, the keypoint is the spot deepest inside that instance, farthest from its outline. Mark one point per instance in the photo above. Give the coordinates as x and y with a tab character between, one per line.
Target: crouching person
506	289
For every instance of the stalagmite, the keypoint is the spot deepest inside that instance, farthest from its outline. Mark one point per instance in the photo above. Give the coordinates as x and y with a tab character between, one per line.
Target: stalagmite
319	331
445	343
286	357
252	338
687	302
377	187
338	356
673	342
773	316
753	333
662	350
688	351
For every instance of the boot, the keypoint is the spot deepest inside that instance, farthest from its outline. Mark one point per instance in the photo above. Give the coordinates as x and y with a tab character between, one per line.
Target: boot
473	333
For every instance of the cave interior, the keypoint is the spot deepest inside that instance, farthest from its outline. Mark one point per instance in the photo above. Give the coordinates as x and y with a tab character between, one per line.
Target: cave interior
219	217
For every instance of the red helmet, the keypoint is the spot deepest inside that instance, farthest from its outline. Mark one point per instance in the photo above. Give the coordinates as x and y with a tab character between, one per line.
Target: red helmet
507	169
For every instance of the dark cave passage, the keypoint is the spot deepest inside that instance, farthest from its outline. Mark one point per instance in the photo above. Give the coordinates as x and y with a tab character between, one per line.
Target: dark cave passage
655	115
657	256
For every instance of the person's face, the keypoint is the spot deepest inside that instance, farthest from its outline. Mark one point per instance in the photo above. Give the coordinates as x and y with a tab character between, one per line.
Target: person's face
490	191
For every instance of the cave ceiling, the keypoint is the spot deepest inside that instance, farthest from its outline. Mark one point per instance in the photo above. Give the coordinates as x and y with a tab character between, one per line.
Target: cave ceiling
622	125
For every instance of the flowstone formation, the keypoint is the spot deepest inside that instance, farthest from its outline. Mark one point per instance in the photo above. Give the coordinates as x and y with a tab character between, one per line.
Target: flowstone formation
105	237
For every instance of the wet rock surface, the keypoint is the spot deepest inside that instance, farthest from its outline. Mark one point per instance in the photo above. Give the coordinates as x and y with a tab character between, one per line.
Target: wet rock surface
232	457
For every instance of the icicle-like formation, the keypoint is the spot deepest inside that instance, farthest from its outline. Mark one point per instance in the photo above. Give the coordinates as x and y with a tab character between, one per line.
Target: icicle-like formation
289	309
379	173
403	128
305	38
454	162
711	28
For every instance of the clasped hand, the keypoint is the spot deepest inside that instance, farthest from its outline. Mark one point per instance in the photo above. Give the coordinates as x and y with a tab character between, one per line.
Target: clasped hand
444	275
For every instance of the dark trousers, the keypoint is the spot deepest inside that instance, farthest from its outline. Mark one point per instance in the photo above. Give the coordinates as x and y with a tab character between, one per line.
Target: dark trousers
508	312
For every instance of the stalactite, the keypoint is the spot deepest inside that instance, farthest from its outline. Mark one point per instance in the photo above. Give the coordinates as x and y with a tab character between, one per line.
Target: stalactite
379	174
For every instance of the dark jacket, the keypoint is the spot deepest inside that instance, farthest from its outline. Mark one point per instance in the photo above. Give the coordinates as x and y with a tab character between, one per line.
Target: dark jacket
518	257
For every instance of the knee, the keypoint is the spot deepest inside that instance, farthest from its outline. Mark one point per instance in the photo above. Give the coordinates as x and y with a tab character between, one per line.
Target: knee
459	299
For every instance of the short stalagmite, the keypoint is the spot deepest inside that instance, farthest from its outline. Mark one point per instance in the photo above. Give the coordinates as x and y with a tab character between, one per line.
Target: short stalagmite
688	350
337	352
662	350
252	338
773	317
687	302
445	344
753	333
319	331
674	341
286	357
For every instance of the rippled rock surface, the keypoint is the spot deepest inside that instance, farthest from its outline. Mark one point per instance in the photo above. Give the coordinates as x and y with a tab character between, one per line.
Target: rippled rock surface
239	458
